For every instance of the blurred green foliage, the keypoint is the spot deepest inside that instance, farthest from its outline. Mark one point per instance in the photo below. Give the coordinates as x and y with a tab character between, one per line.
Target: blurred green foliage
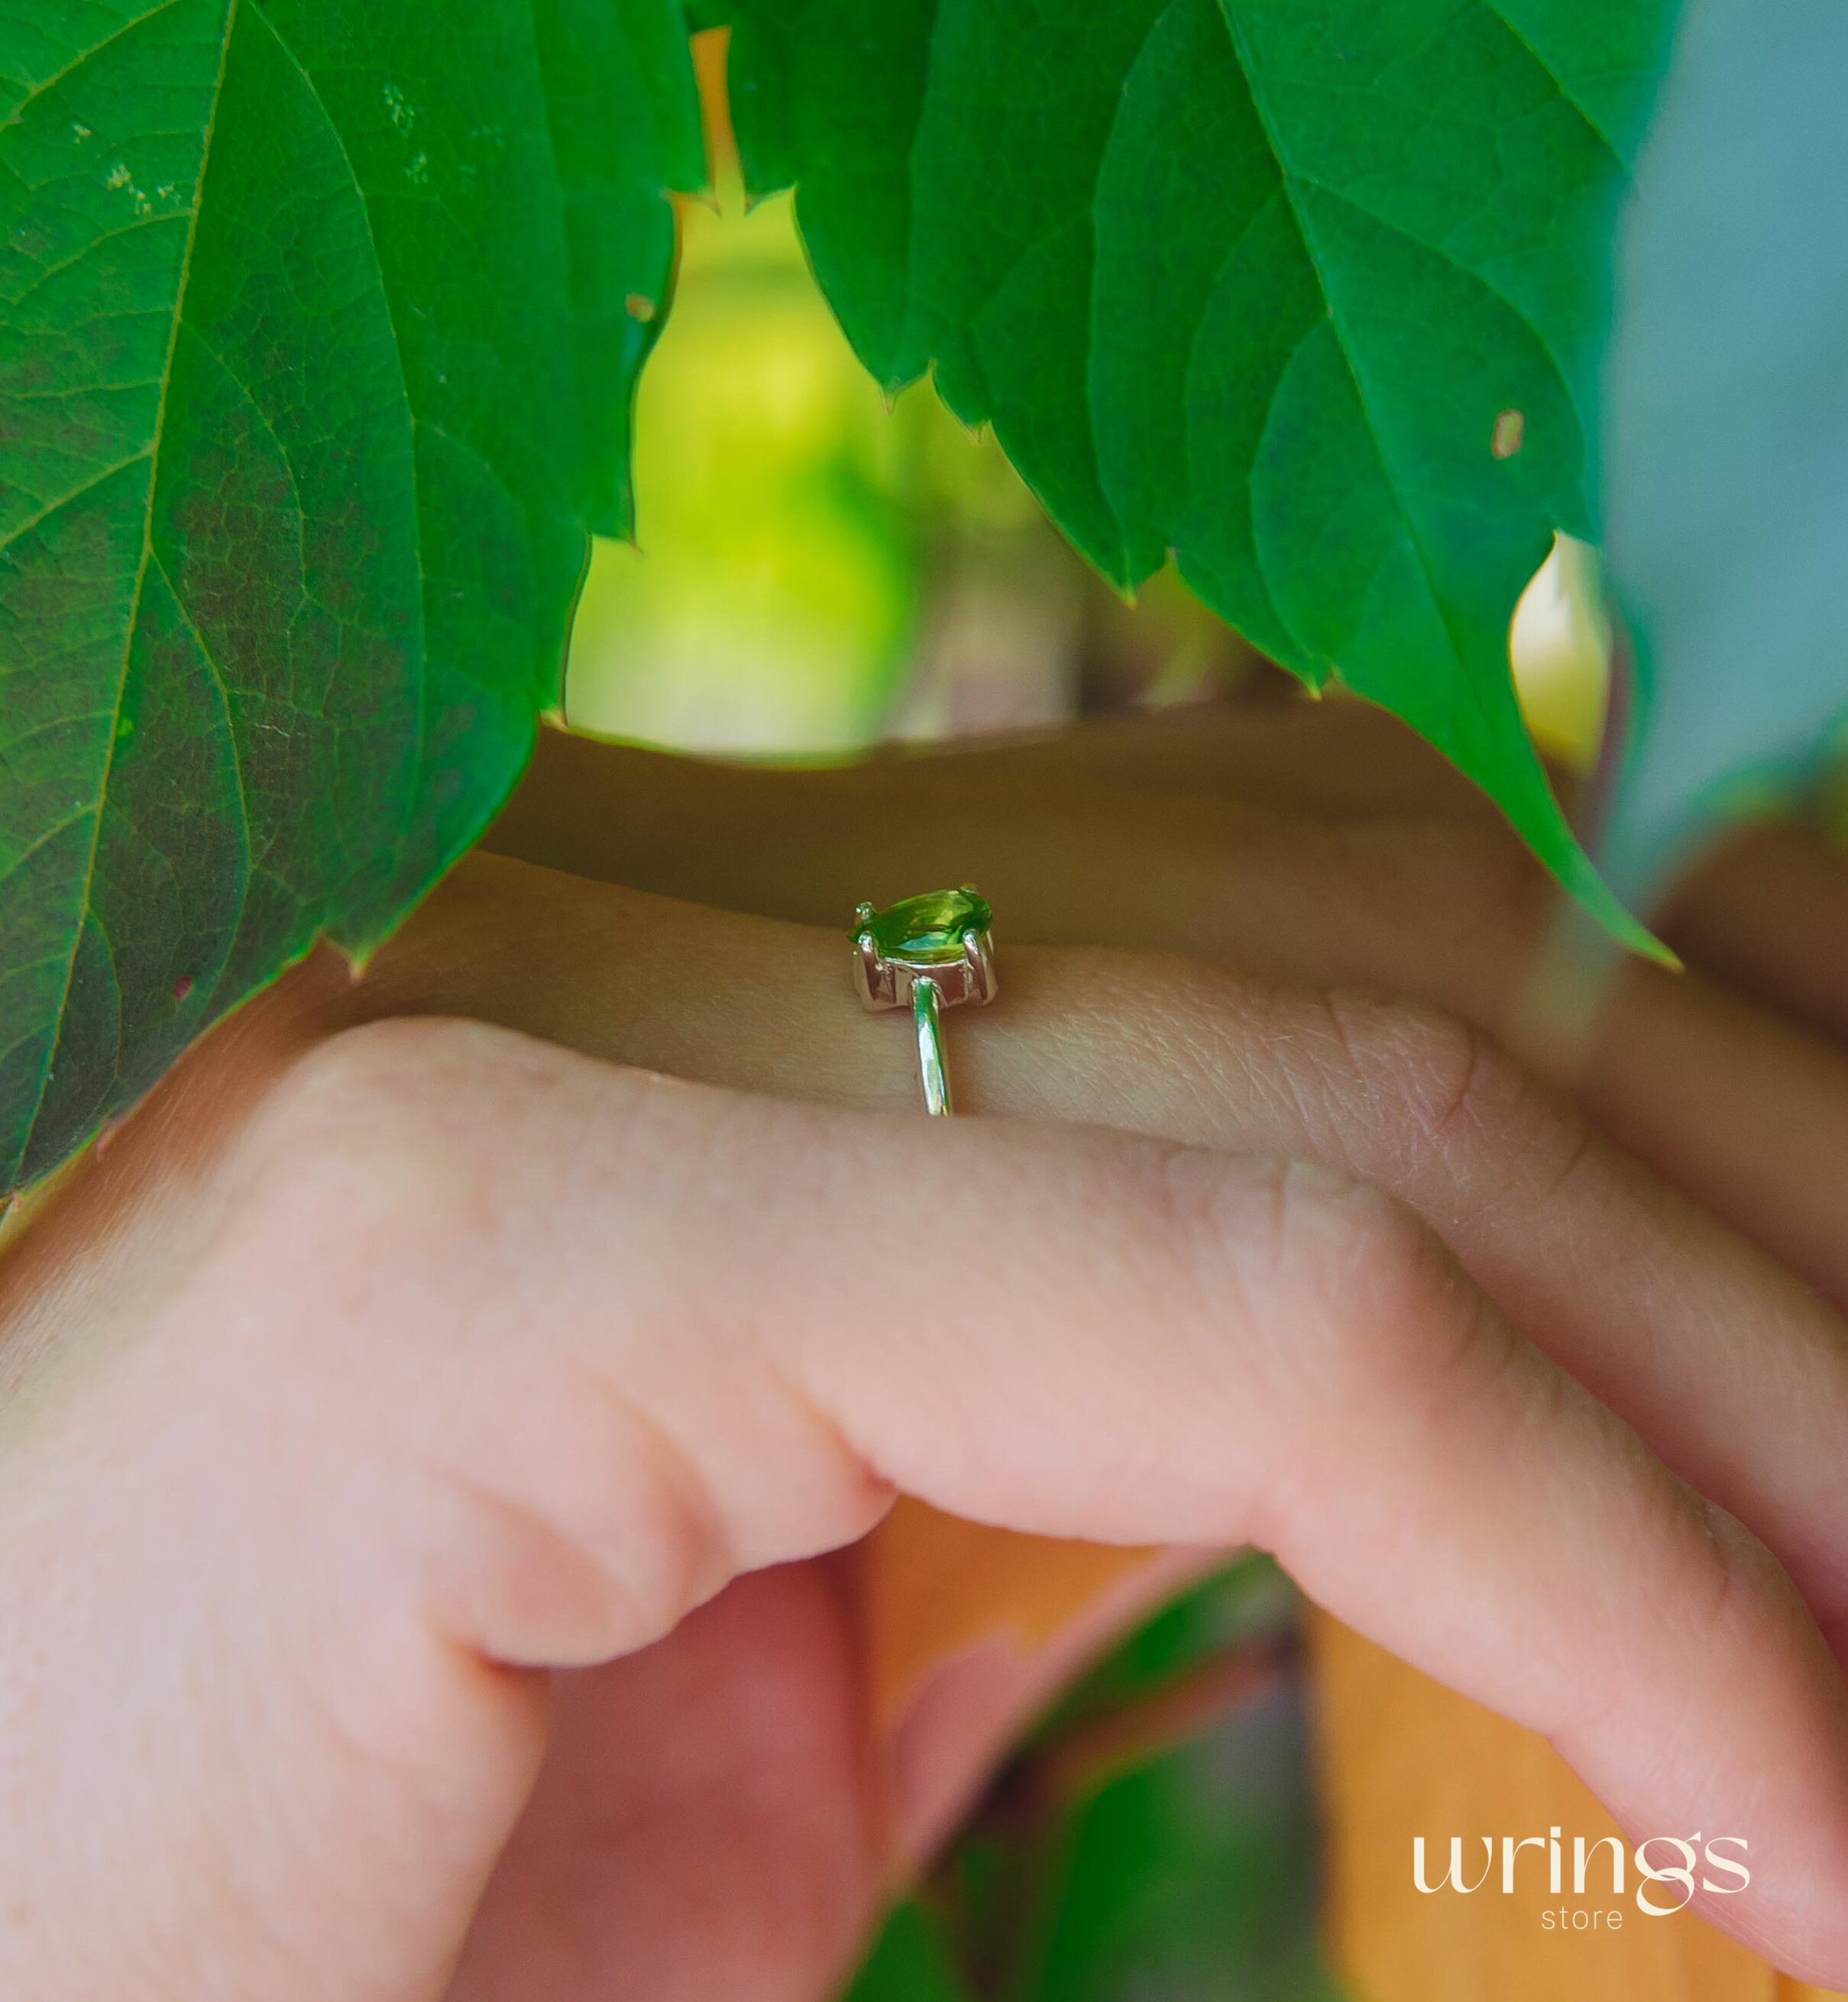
1153	1839
815	568
795	533
1310	304
773	598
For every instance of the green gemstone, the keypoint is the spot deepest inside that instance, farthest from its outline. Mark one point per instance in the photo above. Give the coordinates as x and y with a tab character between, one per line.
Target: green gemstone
927	930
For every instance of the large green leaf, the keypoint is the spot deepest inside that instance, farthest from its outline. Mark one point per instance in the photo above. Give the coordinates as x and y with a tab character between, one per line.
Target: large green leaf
1274	284
1141	1842
908	1961
321	318
1728	454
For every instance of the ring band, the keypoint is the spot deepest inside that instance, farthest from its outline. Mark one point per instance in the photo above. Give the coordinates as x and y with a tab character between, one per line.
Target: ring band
933	952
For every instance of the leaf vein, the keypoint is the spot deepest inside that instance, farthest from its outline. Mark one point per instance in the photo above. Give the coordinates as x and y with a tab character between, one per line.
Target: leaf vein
1493	8
1387	471
83	56
31	848
423	675
153	455
76	493
43	278
222	683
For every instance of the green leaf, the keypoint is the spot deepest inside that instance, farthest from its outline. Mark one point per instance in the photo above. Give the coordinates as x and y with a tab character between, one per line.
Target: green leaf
1253	281
321	322
908	1961
1193	1875
1728	430
1143	1842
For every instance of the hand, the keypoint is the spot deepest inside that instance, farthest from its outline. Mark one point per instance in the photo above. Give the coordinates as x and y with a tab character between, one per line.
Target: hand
370	1369
1319	845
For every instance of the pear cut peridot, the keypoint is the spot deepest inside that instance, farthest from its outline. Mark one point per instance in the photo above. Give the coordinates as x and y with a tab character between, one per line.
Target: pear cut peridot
927	930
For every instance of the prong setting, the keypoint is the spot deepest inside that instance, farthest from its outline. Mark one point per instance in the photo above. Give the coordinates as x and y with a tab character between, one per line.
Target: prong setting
944	936
928	953
978	960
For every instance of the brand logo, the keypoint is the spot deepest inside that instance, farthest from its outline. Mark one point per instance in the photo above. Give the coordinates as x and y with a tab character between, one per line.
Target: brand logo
1661	1873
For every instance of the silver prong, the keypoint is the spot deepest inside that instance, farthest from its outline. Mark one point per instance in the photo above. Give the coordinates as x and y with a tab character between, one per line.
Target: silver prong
873	976
978	957
862	913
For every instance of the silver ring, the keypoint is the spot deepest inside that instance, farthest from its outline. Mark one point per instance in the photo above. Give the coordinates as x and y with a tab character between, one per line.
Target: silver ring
932	952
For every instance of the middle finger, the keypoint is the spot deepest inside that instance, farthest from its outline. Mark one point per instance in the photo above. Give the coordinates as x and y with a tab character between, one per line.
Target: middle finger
1735	1371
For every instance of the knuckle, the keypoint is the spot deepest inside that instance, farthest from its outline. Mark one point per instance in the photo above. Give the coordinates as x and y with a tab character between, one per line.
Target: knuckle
600	1548
360	1079
353	1156
1429	1085
1220	1223
382	1067
1380	1310
1418	1060
1745	1583
1320	1259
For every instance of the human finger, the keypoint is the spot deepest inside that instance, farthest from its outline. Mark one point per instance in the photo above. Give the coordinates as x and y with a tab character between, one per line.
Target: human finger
1766	912
1734	1371
549	1371
1164	1345
1744	1110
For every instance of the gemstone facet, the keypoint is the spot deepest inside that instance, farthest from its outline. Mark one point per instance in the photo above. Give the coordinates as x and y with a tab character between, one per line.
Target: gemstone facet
927	930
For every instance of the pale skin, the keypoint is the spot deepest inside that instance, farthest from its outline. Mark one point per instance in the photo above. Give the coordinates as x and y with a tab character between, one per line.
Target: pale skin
422	1429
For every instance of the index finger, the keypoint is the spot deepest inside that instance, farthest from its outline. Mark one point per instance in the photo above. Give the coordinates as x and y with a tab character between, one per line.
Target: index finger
787	1312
